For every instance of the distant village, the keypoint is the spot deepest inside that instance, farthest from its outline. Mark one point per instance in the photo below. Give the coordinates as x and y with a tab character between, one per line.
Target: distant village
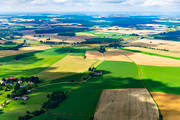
18	88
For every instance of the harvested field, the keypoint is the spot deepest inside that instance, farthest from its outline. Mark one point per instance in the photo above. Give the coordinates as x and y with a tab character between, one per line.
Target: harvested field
67	66
167	53
4	53
35	48
168	104
138	58
126	104
131	31
94	55
172	46
109	55
42	38
143	59
117	55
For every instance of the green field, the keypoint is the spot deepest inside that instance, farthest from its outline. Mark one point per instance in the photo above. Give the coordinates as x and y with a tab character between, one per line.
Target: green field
34	62
37	98
31	64
82	98
81	102
161	79
111	35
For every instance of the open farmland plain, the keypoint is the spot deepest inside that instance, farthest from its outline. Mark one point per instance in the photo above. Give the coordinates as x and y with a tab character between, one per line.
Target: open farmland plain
78	67
74	64
165	87
84	98
32	63
160	75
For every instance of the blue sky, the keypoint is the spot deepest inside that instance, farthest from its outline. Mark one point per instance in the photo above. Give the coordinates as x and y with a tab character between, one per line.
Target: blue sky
146	6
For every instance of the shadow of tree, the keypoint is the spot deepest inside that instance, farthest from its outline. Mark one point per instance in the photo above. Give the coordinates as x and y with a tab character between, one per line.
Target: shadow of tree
83	100
29	57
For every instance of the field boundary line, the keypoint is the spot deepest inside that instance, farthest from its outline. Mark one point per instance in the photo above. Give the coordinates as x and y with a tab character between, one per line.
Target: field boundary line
52	65
140	77
61	83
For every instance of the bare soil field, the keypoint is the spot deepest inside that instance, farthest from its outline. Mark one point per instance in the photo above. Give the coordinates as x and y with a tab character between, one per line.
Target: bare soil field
94	55
34	48
169	105
42	38
167	53
4	53
113	55
126	104
67	66
138	58
172	46
131	31
143	59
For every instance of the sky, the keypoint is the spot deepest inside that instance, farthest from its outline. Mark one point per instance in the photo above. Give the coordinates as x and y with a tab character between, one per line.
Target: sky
120	6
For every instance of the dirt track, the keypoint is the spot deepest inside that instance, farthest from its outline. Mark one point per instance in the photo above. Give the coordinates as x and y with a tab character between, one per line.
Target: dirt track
169	105
126	104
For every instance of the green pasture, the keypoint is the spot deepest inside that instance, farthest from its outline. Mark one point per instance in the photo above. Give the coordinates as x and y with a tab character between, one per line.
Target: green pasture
161	79
34	62
112	35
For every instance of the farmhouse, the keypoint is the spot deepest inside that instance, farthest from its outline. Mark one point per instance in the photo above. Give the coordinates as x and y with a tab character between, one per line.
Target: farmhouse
98	73
21	98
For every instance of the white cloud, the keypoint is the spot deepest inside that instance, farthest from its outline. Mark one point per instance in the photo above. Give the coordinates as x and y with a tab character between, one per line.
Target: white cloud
89	5
60	1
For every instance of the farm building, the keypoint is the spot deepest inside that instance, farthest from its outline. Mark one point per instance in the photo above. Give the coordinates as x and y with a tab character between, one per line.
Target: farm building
98	73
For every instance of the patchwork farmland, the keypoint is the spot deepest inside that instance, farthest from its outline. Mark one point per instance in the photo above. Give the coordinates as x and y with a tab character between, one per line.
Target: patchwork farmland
89	68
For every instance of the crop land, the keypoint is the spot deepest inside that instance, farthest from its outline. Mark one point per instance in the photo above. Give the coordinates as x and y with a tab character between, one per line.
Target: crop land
74	64
124	104
89	67
84	105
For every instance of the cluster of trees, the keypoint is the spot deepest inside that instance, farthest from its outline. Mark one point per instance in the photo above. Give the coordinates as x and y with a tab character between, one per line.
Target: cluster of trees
30	115
115	45
52	43
92	69
13	47
20	56
172	35
100	41
19	91
54	100
102	49
67	34
155	48
60	30
39	35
